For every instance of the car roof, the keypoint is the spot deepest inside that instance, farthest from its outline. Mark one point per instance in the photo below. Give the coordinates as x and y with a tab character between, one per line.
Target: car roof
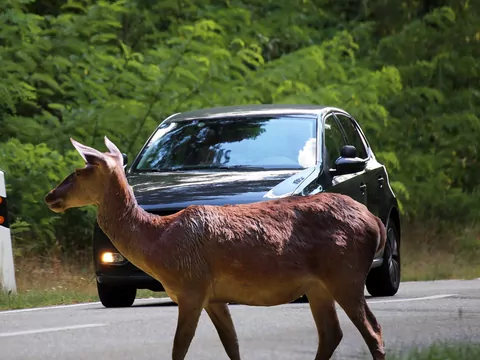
249	110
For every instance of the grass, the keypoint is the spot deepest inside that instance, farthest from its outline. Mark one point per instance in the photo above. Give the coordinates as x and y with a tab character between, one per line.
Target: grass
440	251
429	252
441	351
46	282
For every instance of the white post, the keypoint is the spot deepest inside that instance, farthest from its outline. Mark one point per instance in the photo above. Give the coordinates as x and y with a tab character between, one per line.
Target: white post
7	269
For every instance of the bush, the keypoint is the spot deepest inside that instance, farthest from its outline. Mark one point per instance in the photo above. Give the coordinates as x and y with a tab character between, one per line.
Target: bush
31	171
409	72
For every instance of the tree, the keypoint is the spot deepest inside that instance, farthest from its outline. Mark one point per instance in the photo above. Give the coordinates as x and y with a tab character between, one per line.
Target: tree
407	70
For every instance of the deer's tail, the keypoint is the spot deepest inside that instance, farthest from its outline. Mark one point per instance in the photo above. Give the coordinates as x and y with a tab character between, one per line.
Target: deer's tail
382	235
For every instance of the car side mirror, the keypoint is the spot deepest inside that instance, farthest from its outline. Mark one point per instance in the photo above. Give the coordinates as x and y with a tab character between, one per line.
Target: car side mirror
125	160
348	162
348	152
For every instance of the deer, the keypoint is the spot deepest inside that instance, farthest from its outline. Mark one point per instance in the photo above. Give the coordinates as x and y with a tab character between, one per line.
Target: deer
265	253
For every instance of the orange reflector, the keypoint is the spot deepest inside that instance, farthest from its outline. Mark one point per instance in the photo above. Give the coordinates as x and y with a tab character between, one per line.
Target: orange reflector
1	199
2	220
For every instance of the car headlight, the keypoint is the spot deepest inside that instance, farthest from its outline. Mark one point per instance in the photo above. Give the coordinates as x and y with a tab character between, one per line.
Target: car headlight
111	258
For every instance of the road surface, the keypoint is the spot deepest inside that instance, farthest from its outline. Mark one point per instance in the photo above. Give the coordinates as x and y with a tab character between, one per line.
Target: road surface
421	313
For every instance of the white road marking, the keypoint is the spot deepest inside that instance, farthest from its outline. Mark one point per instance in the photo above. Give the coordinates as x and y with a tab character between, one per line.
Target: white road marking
47	308
55	307
433	297
38	331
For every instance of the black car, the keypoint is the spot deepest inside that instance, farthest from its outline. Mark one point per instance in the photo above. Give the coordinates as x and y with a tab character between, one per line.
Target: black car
245	154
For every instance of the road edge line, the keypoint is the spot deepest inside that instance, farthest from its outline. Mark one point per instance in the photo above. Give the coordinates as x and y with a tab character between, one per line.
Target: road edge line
66	306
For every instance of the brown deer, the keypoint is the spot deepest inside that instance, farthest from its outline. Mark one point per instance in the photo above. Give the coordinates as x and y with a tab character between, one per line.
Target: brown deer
261	254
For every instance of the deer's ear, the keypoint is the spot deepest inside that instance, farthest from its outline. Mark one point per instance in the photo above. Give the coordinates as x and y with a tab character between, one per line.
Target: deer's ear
114	150
90	155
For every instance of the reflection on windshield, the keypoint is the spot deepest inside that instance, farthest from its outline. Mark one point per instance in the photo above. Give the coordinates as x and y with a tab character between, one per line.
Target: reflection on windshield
307	156
280	142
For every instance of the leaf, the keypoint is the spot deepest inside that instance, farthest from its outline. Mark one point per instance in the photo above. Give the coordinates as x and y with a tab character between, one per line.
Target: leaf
103	38
73	5
56	106
47	80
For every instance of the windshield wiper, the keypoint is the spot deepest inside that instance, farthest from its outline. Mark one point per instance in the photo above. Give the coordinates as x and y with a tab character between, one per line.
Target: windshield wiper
241	167
158	170
223	167
208	167
201	167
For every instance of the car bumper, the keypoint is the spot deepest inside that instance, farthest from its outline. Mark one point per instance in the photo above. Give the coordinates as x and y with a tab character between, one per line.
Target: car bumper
140	281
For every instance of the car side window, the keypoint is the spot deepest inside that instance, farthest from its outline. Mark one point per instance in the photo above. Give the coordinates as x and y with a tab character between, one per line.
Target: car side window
353	136
334	141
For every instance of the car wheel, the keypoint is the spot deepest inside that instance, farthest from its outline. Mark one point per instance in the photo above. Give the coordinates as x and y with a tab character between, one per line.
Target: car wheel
116	296
385	280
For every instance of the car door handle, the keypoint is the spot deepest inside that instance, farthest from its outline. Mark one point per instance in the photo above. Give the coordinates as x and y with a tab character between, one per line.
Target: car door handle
381	180
363	187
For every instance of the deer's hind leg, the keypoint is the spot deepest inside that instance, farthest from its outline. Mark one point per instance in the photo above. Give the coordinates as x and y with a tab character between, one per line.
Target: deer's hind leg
324	314
352	299
222	320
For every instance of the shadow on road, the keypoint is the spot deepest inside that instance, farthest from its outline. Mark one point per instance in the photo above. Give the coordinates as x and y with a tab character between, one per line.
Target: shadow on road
162	303
154	304
171	303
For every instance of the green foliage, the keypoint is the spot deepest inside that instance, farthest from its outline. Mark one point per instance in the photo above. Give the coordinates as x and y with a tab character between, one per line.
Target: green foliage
407	70
437	57
31	171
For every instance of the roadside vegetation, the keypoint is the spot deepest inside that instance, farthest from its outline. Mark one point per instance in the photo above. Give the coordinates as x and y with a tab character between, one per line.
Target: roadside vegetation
407	70
441	351
47	282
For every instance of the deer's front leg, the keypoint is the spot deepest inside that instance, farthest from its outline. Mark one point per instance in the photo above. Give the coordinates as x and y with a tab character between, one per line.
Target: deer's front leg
222	320
189	310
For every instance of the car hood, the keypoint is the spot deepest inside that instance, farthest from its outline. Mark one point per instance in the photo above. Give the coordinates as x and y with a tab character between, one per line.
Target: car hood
177	190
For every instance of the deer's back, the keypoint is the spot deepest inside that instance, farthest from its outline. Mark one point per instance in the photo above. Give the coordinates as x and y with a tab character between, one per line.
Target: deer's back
281	233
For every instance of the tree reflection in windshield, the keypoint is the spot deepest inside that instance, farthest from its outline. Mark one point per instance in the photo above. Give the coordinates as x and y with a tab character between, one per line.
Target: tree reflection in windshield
283	142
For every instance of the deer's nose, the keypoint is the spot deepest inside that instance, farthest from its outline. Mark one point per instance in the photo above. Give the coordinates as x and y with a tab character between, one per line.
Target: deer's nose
50	197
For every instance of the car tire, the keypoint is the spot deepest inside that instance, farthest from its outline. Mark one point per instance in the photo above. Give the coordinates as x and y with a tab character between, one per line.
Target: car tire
385	280
116	296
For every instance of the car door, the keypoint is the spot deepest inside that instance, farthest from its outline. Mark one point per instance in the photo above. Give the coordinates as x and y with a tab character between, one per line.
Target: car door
349	184
372	177
377	182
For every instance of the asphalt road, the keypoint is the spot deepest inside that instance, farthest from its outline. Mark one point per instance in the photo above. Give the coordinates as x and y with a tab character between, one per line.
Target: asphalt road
421	313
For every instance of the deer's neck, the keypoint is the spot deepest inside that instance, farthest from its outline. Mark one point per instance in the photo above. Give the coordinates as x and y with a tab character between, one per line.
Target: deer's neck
124	222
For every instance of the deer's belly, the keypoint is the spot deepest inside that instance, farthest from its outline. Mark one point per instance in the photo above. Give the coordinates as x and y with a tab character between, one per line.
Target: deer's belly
260	289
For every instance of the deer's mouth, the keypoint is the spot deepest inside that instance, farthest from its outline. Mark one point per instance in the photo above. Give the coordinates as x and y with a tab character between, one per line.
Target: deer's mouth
55	205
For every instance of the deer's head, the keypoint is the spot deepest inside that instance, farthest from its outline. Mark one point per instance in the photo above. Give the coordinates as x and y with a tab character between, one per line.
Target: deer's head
86	186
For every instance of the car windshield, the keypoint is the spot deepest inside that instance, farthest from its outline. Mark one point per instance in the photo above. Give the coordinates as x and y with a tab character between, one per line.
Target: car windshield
274	142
